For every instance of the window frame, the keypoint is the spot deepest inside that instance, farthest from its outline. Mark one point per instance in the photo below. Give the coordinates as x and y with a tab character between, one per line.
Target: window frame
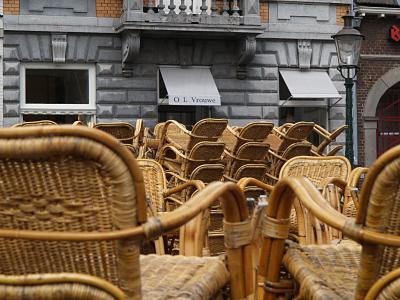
46	108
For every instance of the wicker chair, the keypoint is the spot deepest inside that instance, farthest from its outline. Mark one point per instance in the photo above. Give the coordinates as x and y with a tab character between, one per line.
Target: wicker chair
72	201
328	138
36	123
248	153
252	132
277	161
158	196
123	132
344	271
321	171
180	163
175	134
282	137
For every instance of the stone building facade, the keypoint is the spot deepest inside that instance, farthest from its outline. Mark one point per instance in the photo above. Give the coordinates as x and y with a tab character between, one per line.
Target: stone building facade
378	92
122	44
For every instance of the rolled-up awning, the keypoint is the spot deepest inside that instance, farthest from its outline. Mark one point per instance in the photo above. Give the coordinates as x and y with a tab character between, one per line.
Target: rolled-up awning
190	86
309	84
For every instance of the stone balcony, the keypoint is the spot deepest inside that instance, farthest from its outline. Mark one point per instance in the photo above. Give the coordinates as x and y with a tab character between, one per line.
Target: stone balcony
235	17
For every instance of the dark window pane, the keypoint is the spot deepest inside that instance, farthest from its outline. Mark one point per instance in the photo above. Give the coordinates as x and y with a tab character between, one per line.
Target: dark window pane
53	86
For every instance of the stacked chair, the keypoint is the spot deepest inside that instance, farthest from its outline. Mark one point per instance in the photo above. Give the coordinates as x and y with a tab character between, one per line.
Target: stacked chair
367	268
128	135
246	153
191	155
73	215
327	139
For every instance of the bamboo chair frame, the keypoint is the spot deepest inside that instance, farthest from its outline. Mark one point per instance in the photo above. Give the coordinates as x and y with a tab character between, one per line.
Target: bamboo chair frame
122	131
277	161
367	229
157	197
328	138
70	285
184	140
36	123
248	153
233	203
252	132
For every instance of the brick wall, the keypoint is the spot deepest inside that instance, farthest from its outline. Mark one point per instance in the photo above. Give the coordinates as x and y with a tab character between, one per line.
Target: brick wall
341	10
11	7
376	42
108	8
264	12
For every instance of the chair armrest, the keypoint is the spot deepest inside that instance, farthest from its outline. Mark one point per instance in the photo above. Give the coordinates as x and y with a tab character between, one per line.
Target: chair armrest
356	174
161	153
390	283
246	182
70	283
198	184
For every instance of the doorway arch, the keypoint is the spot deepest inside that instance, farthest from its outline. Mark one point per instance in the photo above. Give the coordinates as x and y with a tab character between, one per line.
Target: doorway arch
370	119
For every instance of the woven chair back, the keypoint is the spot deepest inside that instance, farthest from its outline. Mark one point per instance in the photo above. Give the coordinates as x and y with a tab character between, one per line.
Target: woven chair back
124	132
208	173
316	168
256	171
380	211
256	131
36	123
253	151
154	182
300	130
207	150
69	179
297	149
211	128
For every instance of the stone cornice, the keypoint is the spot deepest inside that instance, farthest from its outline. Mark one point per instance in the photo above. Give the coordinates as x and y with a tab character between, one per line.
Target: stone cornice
57	24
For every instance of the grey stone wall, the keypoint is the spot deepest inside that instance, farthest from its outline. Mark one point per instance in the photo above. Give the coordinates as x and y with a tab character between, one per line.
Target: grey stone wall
125	99
81	8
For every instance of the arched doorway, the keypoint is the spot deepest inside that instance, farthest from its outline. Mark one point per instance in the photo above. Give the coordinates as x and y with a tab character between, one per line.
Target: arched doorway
388	115
369	115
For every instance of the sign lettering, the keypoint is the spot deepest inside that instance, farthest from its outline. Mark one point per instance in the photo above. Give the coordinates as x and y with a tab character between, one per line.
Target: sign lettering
194	100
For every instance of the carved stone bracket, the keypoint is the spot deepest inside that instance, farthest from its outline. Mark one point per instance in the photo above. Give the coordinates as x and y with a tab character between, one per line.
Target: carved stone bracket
247	51
305	52
59	47
130	49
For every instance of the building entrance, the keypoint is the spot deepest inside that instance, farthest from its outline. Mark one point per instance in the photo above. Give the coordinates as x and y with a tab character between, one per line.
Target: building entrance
388	113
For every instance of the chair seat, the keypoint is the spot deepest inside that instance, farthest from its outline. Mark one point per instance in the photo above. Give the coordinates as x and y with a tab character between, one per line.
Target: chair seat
324	271
182	277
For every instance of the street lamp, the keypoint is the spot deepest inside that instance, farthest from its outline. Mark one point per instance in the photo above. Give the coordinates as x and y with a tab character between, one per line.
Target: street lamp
348	46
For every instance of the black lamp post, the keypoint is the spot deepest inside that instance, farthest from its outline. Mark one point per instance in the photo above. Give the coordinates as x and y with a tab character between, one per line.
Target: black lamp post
348	46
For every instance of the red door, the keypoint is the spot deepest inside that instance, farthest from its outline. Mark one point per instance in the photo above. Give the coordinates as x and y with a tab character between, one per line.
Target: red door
388	113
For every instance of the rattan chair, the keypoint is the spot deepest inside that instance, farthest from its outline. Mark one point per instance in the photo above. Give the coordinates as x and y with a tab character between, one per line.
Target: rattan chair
276	161
36	123
344	271
321	171
282	137
158	196
73	201
252	132
175	134
328	138
248	153
123	132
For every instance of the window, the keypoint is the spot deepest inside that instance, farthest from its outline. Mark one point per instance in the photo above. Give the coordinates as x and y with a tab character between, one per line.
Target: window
57	90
